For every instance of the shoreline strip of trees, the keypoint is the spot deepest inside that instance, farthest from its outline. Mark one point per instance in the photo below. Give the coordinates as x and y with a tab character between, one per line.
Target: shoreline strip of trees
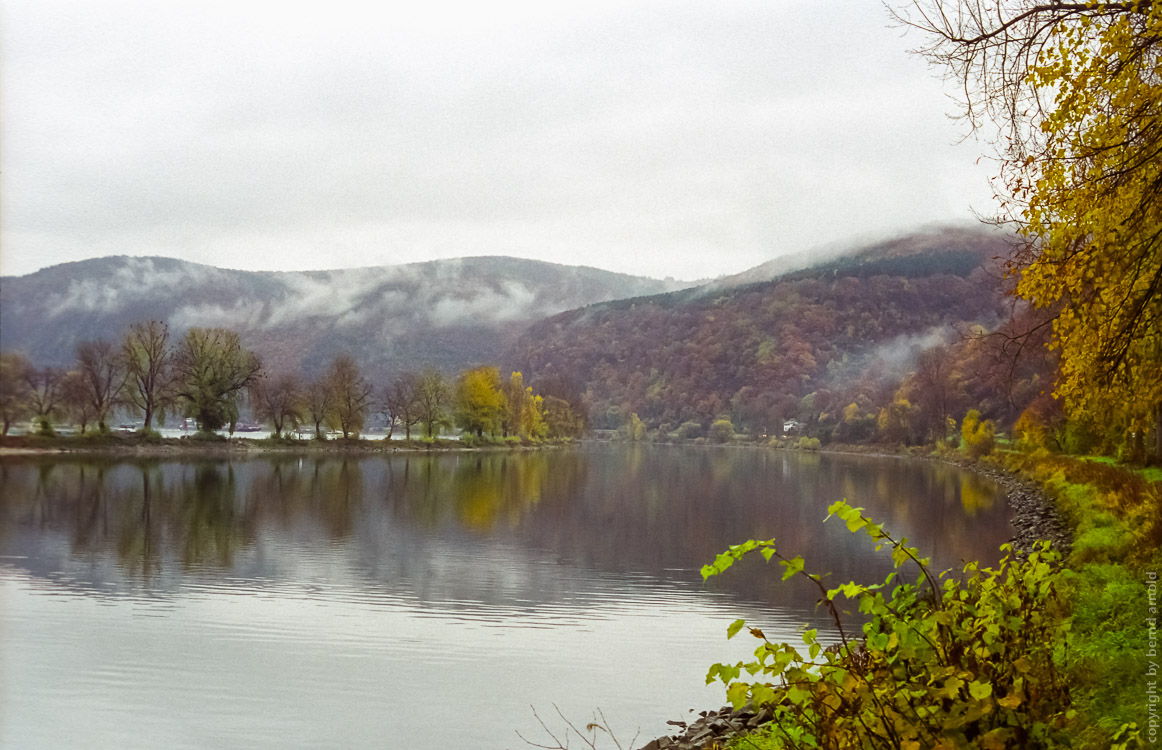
208	376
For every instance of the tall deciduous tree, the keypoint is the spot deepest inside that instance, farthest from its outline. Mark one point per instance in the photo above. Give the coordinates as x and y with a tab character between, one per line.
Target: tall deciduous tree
560	418
103	374
479	400
350	394
319	405
44	394
434	397
523	414
75	398
1077	92
515	404
279	399
212	372
935	390
401	403
148	356
14	393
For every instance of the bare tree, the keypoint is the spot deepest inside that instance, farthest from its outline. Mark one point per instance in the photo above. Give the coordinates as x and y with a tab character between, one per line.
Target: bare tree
75	399
401	403
44	394
148	356
935	389
318	405
989	49
279	400
434	396
104	375
350	394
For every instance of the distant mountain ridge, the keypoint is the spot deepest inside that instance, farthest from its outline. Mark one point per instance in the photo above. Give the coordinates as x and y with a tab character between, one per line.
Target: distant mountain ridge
976	243
446	313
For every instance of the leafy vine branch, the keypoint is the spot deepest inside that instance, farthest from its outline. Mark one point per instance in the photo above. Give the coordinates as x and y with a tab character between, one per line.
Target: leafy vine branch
949	662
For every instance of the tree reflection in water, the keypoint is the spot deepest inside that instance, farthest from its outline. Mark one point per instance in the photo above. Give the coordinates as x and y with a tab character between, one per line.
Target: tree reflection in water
658	511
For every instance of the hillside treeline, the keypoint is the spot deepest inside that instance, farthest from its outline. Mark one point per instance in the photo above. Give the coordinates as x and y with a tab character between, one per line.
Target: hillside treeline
209	375
895	351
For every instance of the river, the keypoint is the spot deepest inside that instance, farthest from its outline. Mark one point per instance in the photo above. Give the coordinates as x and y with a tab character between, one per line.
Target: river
421	601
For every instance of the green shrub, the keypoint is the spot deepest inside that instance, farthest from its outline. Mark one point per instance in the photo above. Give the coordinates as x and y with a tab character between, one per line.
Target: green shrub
979	436
808	444
721	431
689	431
956	662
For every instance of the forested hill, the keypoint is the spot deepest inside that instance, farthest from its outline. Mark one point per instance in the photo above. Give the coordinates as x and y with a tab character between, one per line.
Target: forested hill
836	333
446	313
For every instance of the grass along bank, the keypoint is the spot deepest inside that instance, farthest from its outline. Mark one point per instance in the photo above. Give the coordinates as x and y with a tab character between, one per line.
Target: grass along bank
1111	575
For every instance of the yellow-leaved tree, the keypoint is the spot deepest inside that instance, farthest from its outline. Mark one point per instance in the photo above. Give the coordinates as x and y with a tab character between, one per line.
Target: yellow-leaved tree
1075	92
480	402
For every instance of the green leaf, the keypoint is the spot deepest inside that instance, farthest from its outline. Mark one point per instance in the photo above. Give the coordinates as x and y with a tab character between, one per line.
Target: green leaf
901	554
838	508
761	694
737	694
735	626
798	695
793	566
980	690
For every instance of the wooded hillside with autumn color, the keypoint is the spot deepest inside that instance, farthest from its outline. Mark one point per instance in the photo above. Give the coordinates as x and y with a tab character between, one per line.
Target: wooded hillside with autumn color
895	342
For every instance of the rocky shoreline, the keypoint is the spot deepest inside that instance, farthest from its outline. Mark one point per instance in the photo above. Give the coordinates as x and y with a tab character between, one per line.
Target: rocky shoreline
1035	519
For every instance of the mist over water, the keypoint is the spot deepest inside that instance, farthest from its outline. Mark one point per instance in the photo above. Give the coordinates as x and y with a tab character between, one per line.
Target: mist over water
420	601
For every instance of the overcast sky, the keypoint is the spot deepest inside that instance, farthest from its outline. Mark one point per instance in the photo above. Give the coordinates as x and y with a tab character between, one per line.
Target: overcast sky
664	139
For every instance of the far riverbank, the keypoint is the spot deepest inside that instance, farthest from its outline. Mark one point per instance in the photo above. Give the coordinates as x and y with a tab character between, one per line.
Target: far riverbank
138	445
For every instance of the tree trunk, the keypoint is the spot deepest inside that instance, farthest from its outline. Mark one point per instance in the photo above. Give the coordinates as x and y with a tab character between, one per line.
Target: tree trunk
1158	434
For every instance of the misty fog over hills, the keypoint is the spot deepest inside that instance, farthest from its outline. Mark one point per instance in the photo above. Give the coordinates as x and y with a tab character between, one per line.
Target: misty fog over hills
457	313
447	313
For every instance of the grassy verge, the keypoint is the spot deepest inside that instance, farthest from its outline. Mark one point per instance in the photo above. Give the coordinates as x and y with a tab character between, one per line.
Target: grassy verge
1116	514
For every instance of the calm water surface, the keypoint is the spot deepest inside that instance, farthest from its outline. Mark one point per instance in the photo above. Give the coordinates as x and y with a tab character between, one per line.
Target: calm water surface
419	601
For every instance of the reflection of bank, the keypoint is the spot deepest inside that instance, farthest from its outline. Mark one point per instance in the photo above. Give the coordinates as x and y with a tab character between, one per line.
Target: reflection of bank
975	495
661	510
